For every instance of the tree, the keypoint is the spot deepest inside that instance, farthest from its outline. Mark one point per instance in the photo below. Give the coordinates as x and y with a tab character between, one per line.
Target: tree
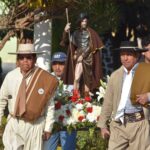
106	16
22	15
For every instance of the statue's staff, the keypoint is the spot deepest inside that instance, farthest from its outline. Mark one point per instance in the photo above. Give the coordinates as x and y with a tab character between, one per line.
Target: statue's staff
70	47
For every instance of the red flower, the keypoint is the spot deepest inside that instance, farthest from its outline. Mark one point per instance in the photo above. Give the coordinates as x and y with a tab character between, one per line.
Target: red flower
80	118
74	98
61	118
87	98
89	109
68	112
80	102
57	105
76	93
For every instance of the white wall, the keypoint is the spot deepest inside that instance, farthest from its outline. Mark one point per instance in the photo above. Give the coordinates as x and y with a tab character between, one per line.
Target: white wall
42	42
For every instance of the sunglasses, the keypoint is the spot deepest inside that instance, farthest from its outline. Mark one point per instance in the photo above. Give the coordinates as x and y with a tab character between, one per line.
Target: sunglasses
22	57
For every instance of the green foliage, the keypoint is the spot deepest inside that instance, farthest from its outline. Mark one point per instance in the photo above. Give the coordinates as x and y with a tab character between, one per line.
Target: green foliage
90	140
81	126
58	27
10	3
2	34
87	139
2	127
62	96
104	15
4	121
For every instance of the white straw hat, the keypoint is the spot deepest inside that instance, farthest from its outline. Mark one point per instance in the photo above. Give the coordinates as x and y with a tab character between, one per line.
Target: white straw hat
26	49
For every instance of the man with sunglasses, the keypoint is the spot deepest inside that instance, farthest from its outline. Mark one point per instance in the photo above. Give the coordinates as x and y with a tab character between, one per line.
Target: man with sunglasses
29	91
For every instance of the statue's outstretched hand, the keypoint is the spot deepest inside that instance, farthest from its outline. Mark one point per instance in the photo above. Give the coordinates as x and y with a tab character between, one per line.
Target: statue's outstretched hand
67	27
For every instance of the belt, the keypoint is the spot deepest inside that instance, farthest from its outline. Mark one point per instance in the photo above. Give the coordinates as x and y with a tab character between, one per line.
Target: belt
21	118
16	117
134	117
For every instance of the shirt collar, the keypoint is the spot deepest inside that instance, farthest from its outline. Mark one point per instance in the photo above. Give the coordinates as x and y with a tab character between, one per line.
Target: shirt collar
53	73
133	68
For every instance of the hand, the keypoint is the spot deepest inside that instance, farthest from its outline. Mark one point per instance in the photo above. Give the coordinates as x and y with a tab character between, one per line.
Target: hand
67	27
142	98
46	135
75	56
10	33
80	58
105	133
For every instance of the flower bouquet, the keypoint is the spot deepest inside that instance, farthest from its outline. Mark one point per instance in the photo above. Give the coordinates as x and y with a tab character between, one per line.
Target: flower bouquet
73	112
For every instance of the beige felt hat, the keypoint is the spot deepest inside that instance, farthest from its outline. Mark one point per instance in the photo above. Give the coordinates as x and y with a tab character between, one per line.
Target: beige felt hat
26	49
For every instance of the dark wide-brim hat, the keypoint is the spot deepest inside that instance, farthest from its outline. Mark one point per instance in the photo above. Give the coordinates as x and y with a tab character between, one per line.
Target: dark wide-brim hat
130	46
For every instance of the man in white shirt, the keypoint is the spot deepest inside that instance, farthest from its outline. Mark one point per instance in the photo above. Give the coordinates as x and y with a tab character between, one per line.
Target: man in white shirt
30	102
129	129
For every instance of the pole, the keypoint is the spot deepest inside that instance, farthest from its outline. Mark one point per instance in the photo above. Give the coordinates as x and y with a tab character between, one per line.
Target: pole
67	17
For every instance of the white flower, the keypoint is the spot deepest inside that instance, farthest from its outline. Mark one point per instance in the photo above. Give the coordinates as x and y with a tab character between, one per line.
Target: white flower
108	77
88	104
100	93
79	106
102	88
65	87
92	117
69	121
76	114
57	114
96	110
59	94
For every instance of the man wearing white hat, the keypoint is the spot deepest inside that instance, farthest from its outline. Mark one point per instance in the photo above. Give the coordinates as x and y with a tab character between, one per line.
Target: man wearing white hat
29	91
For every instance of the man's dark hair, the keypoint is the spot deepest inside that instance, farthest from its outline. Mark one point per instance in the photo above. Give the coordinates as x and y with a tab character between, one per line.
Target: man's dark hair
146	41
82	15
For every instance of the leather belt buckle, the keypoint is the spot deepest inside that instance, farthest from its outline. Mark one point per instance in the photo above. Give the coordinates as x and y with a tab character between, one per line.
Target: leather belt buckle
134	117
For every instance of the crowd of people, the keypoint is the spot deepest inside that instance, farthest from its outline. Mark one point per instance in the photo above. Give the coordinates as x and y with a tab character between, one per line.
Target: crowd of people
30	93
